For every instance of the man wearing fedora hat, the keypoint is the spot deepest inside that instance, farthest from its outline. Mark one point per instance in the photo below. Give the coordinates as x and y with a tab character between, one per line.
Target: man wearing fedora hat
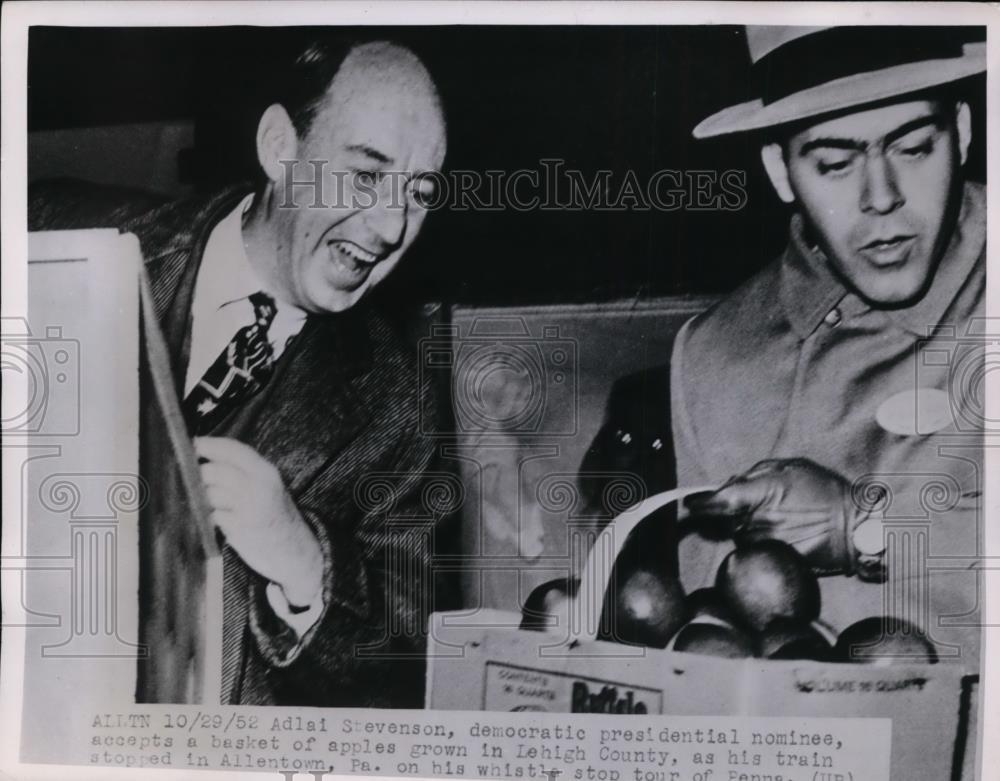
836	397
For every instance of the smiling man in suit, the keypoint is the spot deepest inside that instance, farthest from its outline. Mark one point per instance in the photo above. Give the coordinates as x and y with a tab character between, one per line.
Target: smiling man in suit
298	391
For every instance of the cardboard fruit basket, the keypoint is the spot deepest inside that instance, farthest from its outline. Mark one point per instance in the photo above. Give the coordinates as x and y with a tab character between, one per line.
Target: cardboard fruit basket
481	660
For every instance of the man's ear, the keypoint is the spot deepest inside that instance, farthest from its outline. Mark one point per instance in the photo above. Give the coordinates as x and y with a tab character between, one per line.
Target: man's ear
276	141
963	123
774	163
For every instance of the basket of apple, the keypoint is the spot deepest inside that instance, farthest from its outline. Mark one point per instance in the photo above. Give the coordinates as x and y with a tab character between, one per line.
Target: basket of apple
754	644
765	603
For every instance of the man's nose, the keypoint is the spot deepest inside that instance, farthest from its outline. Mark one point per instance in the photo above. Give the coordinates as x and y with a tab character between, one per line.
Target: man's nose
387	218
880	191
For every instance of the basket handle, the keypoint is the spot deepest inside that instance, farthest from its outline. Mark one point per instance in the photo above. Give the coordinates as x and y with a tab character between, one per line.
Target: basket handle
596	574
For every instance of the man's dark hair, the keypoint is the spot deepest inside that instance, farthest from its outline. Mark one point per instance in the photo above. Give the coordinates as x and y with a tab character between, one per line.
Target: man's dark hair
303	73
300	83
289	66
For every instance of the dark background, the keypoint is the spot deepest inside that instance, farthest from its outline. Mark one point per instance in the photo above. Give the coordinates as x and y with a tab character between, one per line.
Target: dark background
618	98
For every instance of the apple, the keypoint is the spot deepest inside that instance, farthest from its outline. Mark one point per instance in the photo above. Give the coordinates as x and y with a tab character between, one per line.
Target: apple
708	603
644	607
713	639
883	641
789	639
547	606
766	580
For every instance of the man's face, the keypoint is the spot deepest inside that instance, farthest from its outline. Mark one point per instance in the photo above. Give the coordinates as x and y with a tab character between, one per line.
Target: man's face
875	186
378	130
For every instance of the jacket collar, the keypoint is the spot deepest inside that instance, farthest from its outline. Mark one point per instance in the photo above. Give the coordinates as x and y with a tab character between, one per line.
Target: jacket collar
810	289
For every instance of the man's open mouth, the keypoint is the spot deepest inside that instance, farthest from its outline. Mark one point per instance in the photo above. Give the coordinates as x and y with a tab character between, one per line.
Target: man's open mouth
355	254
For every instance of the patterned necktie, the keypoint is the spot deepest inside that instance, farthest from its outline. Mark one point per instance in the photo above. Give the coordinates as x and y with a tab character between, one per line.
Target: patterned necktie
240	371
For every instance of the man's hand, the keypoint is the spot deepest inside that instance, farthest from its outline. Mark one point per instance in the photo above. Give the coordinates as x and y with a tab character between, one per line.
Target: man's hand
261	522
793	500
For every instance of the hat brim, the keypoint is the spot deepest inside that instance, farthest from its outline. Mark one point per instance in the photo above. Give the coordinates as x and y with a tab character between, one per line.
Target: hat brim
846	92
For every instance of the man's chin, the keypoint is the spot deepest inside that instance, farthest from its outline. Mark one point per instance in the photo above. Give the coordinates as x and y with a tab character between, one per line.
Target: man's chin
339	296
342	302
892	291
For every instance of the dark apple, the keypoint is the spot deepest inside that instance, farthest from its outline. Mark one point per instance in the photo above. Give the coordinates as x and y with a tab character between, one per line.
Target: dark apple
766	580
547	606
882	641
644	608
712	639
707	602
788	639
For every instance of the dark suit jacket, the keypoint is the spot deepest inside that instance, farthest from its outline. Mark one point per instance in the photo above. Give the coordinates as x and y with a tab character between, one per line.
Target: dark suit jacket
341	420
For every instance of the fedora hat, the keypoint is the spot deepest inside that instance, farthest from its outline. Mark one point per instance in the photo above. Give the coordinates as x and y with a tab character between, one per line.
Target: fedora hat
802	72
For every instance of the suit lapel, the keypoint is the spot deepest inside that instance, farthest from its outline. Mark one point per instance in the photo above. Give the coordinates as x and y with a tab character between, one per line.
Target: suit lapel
176	322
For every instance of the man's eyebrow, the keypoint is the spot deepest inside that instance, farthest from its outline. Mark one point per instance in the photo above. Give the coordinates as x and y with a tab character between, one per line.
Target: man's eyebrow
851	144
367	151
935	119
857	145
